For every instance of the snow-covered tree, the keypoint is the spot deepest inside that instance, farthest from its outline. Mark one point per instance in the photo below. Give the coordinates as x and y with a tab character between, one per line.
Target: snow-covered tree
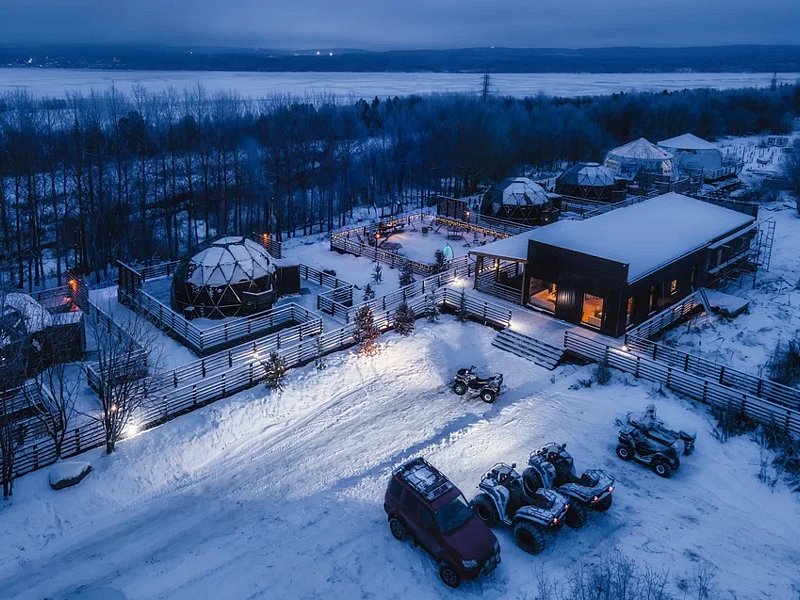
377	273
404	318
369	293
462	314
431	307
406	274
366	333
274	370
440	262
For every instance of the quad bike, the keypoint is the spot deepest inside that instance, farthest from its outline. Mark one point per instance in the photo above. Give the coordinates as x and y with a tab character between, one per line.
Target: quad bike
487	388
503	500
661	457
553	467
651	426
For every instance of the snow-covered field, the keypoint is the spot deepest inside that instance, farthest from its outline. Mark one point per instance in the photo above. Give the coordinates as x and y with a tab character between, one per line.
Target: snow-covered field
280	496
58	82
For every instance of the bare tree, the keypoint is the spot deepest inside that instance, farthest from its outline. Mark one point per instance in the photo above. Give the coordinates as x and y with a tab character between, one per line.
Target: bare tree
125	348
12	436
791	168
51	395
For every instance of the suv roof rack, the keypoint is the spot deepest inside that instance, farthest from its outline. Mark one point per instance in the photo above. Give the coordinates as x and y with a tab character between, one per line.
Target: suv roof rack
426	479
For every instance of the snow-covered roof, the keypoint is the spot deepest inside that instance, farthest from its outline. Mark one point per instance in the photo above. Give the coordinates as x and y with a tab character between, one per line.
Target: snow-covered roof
687	141
518	191
640	149
587	175
512	248
229	260
34	314
645	236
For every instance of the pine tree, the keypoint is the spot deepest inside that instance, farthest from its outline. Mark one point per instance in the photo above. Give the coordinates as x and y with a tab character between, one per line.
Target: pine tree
431	307
440	262
404	318
406	274
377	273
366	334
369	293
274	371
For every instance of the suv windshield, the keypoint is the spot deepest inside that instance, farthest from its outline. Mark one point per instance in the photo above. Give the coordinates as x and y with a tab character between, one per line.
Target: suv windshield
453	515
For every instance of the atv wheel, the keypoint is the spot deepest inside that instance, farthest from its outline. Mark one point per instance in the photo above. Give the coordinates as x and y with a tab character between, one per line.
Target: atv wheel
661	468
625	452
449	576
531	481
576	516
485	509
528	537
604	504
459	388
398	528
488	396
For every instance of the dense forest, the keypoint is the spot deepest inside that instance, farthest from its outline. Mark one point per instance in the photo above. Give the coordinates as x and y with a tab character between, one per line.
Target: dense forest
89	180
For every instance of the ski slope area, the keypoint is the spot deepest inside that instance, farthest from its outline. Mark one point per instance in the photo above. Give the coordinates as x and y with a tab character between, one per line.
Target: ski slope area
280	495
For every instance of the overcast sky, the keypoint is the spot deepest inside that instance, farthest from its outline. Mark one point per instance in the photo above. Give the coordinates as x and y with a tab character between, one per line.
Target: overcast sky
402	24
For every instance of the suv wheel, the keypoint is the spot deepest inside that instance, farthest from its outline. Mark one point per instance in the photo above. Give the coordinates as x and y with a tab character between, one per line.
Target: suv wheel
485	509
398	528
487	396
661	468
459	388
528	537
624	451
449	576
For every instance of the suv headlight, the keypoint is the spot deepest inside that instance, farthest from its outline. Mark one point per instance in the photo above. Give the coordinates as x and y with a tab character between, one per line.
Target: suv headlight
470	564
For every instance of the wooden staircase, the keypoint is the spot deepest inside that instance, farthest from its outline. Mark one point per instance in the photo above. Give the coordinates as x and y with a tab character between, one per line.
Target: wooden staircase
538	352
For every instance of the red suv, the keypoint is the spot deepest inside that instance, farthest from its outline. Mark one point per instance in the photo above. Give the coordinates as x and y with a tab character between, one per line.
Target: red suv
424	505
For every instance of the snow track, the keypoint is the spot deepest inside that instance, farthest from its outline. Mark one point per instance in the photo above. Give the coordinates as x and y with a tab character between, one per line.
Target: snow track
280	496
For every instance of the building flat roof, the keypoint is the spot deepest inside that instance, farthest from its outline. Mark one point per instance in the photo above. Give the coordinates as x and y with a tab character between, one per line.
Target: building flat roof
645	236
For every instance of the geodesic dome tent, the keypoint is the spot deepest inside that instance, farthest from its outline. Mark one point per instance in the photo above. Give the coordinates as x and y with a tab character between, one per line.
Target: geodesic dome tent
587	180
22	323
229	277
637	157
517	199
693	154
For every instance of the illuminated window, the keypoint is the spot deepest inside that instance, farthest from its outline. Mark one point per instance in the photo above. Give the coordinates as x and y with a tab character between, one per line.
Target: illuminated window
673	287
543	294
592	313
629	313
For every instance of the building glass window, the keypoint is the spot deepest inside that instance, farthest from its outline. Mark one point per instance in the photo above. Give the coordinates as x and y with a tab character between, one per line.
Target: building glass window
543	294
673	287
629	312
592	313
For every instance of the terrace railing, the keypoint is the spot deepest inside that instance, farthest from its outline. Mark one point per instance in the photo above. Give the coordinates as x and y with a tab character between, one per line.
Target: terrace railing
666	317
168	402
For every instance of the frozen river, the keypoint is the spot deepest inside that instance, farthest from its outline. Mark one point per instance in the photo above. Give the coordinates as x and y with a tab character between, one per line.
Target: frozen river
58	82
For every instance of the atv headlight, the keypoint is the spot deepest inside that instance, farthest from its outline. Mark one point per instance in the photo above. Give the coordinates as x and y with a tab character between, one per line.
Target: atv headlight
470	564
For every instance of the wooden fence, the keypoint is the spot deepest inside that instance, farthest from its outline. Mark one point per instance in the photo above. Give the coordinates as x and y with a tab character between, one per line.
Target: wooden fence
168	402
666	317
706	390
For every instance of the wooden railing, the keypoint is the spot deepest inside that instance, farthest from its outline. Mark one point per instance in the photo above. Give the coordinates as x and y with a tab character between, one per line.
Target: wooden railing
170	400
666	317
705	389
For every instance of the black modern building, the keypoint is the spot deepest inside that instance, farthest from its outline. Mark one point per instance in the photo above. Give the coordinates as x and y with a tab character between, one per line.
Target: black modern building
617	269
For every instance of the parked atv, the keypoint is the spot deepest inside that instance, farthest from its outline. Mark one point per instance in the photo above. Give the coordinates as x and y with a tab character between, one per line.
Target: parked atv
651	426
553	467
487	388
503	499
663	458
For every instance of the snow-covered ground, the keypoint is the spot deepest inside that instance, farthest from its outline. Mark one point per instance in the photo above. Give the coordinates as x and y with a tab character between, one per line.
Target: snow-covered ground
280	496
346	86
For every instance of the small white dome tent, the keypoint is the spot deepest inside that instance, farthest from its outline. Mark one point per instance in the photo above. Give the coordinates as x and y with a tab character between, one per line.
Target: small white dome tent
639	156
587	180
518	199
693	154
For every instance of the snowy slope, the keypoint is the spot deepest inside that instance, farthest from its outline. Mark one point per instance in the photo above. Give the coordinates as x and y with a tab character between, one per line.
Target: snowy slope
281	496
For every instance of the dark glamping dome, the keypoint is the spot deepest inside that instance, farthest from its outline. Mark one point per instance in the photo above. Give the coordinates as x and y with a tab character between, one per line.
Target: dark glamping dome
229	277
587	180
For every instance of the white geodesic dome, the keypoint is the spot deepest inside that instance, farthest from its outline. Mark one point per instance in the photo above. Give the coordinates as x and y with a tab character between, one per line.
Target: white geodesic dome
517	191
213	281
20	317
693	154
639	156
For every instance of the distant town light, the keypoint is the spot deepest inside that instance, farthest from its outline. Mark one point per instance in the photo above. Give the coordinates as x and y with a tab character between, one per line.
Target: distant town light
330	53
